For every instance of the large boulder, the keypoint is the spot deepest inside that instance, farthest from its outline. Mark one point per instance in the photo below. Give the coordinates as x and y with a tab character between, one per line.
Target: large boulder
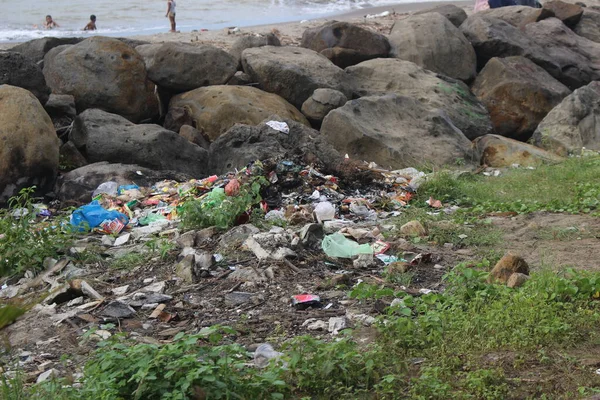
102	136
518	16
215	109
431	41
293	72
345	44
16	70
589	26
28	144
103	73
243	144
179	67
248	42
573	124
518	95
36	49
321	103
493	37
395	132
78	185
455	14
499	152
383	76
568	13
577	57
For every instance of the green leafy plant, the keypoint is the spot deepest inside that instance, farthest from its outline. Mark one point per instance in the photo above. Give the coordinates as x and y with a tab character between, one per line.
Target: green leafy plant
24	241
220	210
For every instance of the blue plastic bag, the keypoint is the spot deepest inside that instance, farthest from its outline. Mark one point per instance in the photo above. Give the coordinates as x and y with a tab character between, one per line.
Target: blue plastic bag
92	215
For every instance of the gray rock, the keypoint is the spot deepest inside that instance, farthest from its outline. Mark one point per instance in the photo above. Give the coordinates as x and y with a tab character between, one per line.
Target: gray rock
322	101
242	144
455	14
187	239
46	375
237	235
345	43
139	299
434	43
589	25
29	148
59	105
180	67
71	157
384	76
367	129
235	299
578	58
193	135
246	275
292	72
493	37
36	49
500	152
118	309
102	136
568	13
518	95
573	124
248	42
77	186
337	324
103	73
241	78
185	269
16	70
518	16
215	109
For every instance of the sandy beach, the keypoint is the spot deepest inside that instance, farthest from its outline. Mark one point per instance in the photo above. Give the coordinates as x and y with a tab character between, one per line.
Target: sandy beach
378	19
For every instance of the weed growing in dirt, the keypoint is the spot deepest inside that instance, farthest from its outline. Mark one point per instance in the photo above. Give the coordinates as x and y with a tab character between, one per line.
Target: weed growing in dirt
218	209
24	243
572	186
432	346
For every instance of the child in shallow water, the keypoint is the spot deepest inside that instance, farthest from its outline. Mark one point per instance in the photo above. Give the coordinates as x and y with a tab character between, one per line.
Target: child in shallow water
49	23
91	26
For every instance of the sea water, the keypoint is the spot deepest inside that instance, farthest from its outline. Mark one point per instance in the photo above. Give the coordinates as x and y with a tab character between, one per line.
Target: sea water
140	17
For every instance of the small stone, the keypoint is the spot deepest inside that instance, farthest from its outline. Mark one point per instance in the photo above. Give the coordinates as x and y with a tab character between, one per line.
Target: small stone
118	309
269	273
148	280
517	280
364	319
438	266
75	302
184	269
245	275
102	334
107	240
317	325
139	299
363	261
413	228
121	240
149	306
89	291
341	280
188	239
336	324
238	298
158	287
203	261
120	291
206	235
508	265
44	376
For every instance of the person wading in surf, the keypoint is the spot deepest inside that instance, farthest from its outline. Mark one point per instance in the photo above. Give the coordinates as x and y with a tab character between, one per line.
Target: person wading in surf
171	13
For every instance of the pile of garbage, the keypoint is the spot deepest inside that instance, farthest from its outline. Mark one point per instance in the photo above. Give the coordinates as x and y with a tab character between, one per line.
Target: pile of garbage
289	193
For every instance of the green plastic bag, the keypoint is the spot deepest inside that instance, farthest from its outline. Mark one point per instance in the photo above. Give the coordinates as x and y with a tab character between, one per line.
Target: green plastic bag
337	245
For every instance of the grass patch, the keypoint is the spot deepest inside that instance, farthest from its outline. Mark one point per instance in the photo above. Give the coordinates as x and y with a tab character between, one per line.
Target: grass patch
572	186
518	345
25	241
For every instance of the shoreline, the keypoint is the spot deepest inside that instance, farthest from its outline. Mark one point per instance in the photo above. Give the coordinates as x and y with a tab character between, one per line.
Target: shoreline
289	31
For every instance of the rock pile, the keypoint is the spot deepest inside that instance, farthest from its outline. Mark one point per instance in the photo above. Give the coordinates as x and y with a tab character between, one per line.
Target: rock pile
438	81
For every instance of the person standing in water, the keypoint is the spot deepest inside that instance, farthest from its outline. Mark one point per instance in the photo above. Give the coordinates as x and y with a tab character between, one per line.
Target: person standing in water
49	24
171	13
91	26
